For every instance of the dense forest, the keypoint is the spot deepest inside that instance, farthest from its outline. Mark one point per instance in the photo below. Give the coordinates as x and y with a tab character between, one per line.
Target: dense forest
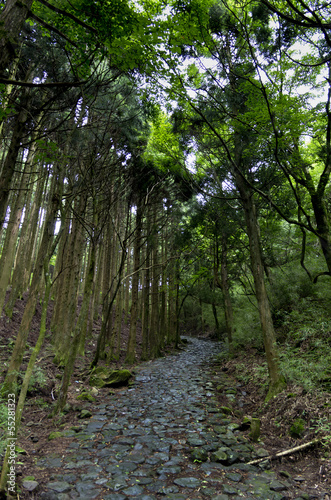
165	170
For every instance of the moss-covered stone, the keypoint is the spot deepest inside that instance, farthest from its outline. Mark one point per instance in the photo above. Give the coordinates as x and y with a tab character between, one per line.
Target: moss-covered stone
85	396
226	410
199	455
85	414
255	429
111	378
20	450
54	435
246	423
219	456
96	381
297	428
118	377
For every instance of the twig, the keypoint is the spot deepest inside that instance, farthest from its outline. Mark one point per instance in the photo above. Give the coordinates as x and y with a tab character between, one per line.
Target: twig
287	452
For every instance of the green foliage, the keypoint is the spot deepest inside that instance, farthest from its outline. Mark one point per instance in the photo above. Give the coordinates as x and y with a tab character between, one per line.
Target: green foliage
38	378
247	328
41	403
3	425
163	148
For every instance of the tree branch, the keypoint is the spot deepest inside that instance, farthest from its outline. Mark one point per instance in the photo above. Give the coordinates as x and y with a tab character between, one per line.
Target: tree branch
68	14
52	28
42	85
289	451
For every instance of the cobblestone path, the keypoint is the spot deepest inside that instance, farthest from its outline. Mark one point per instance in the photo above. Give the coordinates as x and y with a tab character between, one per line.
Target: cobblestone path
164	438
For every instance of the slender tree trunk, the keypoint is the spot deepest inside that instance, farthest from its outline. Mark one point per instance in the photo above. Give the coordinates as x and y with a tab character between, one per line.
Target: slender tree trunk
146	300
163	291
102	334
88	290
128	279
226	293
10	383
217	325
9	165
78	335
95	293
12	19
277	381
131	349
25	384
154	327
22	271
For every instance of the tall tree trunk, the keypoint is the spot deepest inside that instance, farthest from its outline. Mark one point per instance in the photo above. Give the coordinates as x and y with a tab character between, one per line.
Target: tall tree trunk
9	165
22	271
277	381
44	255
154	327
26	381
74	260
95	292
103	331
9	249
12	19
146	299
225	290
131	349
163	291
78	334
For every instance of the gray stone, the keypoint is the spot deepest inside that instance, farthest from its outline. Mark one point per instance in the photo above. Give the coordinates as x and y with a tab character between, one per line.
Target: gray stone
59	486
229	490
133	490
125	467
167	490
114	496
145	497
261	453
187	482
171	469
89	476
83	486
194	441
277	486
155	486
234	477
137	458
118	483
30	485
176	496
48	495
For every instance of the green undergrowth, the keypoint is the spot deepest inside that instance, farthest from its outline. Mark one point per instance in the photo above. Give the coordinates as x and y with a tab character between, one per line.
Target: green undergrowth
3	425
305	357
302	318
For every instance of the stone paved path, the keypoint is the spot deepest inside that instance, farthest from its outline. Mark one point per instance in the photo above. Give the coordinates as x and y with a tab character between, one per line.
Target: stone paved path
137	444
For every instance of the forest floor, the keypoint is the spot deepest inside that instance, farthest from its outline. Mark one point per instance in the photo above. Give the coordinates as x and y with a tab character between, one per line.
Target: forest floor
311	467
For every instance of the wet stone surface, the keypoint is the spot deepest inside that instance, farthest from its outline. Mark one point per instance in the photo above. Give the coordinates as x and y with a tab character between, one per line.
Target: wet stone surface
164	438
